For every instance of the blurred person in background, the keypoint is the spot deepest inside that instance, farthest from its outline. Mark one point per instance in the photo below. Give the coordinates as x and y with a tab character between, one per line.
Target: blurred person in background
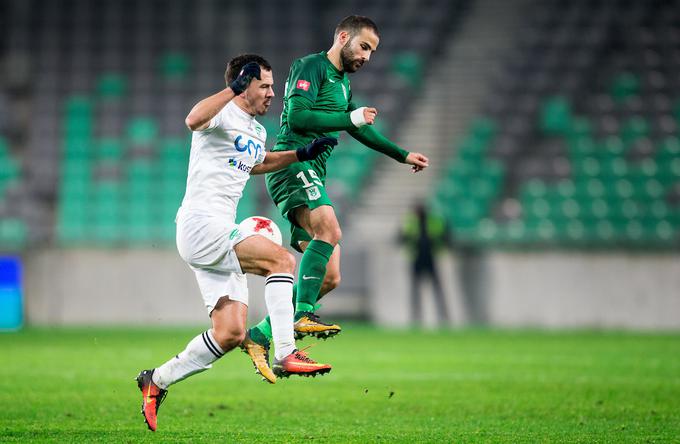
317	103
228	146
425	235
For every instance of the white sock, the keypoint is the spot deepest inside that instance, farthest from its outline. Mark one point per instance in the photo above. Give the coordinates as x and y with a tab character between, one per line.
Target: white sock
278	295
197	357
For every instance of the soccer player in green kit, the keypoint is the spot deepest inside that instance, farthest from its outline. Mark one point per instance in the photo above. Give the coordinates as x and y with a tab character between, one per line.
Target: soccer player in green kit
317	103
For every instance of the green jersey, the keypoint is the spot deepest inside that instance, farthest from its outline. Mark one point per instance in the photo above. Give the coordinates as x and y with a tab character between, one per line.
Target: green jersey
316	79
317	102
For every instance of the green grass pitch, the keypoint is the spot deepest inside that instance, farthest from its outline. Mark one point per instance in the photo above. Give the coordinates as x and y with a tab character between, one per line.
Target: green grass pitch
76	385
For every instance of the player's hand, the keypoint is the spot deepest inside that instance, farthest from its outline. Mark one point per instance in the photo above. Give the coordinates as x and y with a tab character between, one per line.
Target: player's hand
418	161
315	148
249	72
363	116
369	115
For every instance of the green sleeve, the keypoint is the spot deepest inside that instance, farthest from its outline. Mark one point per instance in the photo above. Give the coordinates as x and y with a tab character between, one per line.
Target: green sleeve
376	141
302	118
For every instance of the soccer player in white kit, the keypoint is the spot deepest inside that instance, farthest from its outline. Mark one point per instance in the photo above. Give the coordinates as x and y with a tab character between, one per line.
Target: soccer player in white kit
228	145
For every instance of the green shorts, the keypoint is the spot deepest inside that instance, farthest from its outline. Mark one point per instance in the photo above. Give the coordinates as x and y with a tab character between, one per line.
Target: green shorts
297	185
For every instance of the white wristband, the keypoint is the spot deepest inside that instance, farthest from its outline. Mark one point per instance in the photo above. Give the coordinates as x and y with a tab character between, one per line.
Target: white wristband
357	117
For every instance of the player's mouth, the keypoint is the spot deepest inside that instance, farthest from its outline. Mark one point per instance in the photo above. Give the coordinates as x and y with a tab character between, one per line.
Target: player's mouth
358	64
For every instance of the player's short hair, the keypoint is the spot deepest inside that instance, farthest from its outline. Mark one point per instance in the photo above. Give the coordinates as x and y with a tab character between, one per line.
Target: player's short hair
234	66
353	24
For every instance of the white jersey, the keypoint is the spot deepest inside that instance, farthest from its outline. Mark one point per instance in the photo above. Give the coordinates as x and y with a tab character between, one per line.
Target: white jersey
222	156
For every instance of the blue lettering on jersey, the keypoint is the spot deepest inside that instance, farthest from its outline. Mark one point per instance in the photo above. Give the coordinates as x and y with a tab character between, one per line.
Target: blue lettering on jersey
252	147
239	165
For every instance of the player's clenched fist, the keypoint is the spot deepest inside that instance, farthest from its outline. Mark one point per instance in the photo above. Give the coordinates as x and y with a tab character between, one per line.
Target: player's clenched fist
249	72
418	161
315	148
363	116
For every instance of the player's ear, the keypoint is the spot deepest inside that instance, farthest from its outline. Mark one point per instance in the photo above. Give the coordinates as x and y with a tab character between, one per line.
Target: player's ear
343	37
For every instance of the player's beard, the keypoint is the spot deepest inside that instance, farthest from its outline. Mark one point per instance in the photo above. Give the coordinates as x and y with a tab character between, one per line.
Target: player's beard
349	62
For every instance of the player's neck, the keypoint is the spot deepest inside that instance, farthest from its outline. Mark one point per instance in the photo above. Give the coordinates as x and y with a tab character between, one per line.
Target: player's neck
241	103
333	56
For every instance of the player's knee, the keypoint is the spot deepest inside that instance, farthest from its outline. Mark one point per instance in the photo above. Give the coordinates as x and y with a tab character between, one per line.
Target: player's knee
282	262
229	337
332	235
286	261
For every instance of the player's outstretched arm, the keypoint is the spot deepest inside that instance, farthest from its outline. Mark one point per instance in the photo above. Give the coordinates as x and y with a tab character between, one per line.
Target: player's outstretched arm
370	137
276	160
200	115
302	118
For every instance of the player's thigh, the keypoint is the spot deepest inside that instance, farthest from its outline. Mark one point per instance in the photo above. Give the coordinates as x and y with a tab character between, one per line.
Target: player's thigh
258	255
319	221
215	285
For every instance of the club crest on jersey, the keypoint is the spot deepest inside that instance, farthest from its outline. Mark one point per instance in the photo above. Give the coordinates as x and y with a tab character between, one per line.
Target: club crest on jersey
252	147
234	163
313	193
303	85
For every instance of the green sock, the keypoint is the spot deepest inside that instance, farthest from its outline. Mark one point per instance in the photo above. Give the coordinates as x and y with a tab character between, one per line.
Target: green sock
262	332
312	271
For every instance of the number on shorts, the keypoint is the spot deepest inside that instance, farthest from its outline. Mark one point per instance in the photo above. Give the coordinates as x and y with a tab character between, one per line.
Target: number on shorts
305	182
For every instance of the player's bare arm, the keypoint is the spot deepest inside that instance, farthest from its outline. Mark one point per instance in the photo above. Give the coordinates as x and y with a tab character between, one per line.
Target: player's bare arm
277	160
200	115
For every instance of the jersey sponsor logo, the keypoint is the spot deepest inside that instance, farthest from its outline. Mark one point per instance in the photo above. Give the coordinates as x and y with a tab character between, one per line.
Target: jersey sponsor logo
239	165
313	193
303	85
250	146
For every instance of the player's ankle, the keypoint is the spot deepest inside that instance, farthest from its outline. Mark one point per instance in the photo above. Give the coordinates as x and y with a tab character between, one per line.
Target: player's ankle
302	307
258	336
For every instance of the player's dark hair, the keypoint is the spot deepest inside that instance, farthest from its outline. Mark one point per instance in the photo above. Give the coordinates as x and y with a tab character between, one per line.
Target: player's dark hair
353	24
234	66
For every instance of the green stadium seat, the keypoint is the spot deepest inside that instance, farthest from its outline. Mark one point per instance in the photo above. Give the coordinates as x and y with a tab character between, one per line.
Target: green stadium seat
111	85
13	234
78	106
625	85
77	148
110	149
483	129
581	147
556	115
581	128
409	66
634	129
142	131
174	65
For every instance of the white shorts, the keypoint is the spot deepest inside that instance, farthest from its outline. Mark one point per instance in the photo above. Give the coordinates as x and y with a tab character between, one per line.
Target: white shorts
206	242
